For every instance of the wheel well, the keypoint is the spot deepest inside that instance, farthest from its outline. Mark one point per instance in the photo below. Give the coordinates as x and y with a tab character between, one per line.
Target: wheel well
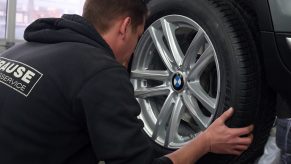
249	14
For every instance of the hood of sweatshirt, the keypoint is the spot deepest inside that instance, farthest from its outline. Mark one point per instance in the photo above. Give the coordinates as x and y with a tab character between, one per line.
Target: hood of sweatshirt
68	28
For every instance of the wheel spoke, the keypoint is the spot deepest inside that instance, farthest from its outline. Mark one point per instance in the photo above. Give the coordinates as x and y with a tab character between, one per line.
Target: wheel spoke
198	92
157	37
151	92
164	116
150	74
195	111
174	122
203	61
169	33
194	48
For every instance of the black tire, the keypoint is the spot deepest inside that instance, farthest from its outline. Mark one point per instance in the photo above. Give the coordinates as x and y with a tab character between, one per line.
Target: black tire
242	84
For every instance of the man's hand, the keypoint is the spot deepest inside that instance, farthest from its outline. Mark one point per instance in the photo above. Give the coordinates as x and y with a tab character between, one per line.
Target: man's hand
225	140
217	138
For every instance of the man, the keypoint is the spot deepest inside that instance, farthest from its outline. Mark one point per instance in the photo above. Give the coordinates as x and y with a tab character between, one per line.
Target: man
66	96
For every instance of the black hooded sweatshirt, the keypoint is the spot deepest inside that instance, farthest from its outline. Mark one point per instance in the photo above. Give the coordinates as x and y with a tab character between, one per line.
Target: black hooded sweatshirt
65	99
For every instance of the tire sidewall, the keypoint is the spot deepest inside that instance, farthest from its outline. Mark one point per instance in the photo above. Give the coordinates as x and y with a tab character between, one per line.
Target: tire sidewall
215	25
212	23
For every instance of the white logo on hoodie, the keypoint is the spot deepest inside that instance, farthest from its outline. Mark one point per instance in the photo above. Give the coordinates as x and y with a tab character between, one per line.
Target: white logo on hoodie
18	76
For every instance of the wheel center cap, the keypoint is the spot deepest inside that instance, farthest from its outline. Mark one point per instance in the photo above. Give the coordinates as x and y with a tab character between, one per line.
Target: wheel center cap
178	81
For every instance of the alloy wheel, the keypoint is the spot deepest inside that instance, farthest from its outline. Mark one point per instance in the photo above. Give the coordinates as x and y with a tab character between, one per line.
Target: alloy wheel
176	77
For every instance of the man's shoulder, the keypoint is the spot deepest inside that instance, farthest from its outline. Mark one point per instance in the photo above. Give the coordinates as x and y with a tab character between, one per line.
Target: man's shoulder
73	53
83	50
62	60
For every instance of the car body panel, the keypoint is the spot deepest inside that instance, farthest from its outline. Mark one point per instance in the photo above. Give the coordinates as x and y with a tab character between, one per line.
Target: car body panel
274	21
281	15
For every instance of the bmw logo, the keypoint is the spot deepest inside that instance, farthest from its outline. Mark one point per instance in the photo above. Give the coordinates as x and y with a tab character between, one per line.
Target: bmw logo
178	81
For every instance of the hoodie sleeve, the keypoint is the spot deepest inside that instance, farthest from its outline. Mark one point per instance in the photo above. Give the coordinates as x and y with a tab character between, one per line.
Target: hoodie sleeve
111	112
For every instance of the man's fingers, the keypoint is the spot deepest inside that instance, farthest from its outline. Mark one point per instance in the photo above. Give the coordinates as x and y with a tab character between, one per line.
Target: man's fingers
235	139
245	140
227	114
241	147
242	131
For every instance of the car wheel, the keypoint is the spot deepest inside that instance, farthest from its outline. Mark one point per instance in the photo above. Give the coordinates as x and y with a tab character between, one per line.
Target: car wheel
195	59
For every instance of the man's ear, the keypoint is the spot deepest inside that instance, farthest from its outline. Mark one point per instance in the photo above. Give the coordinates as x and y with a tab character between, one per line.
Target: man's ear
125	25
